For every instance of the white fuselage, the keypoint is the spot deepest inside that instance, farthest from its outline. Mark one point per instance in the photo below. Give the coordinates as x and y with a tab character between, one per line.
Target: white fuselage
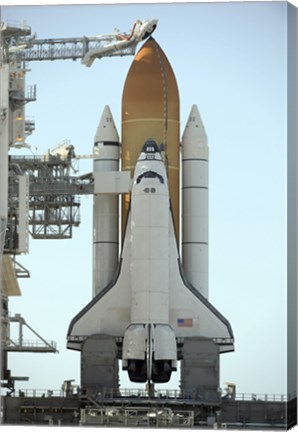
150	242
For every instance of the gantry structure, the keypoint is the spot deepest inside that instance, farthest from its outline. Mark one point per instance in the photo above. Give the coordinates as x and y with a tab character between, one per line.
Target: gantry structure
39	195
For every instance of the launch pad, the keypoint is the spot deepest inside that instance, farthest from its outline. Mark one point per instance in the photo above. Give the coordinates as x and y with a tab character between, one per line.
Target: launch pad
133	408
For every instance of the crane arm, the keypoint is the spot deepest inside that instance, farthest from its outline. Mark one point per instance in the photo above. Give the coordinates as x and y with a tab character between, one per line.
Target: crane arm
85	48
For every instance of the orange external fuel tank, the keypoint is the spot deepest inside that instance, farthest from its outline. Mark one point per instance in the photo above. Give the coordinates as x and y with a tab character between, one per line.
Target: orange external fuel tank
150	109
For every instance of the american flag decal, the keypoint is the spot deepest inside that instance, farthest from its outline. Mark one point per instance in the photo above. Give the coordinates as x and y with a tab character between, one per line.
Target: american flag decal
184	322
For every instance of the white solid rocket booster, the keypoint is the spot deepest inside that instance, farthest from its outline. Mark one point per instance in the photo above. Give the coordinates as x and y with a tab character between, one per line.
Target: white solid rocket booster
105	206
195	202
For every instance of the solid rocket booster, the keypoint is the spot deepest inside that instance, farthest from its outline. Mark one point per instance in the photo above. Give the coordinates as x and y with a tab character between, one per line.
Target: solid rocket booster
105	206
151	111
195	202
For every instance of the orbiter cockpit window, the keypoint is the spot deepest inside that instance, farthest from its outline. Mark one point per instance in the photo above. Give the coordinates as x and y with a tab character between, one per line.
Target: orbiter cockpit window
150	174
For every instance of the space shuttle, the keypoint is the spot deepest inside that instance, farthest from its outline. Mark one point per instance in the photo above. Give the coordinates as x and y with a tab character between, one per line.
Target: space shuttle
146	297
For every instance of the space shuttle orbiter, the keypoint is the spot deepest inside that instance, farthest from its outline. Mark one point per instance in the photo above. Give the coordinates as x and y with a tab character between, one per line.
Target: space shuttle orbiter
147	300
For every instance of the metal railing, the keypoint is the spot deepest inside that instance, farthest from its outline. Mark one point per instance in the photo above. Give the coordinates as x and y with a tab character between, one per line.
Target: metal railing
159	393
20	25
38	393
27	343
261	397
204	396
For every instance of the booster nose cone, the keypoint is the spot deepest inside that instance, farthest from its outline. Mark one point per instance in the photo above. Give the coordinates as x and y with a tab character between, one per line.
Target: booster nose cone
106	130
194	137
150	108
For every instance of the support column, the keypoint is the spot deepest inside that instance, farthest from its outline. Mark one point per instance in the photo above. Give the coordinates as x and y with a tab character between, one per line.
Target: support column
99	364
200	369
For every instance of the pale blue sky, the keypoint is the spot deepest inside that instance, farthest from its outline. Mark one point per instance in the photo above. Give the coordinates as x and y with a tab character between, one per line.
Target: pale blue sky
230	60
